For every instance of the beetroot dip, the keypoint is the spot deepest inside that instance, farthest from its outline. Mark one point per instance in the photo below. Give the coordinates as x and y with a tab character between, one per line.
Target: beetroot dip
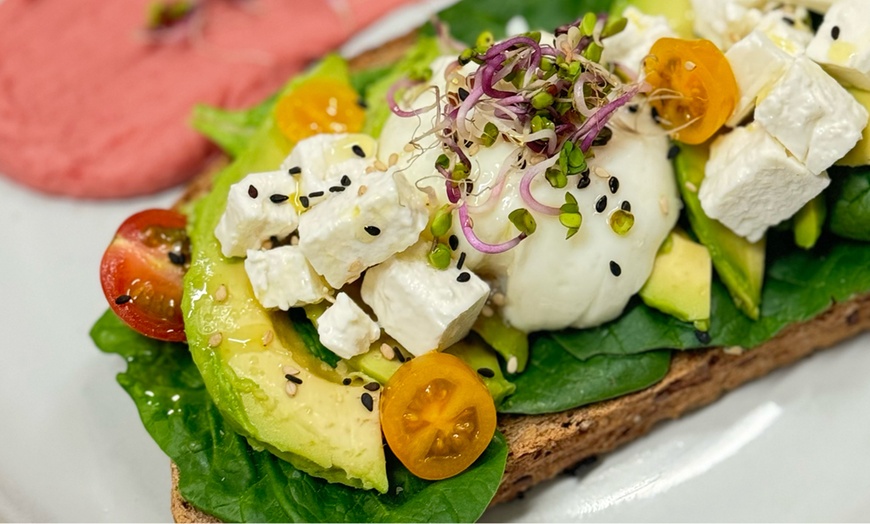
90	107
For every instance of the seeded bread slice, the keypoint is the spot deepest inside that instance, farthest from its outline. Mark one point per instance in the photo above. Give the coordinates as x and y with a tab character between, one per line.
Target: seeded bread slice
542	446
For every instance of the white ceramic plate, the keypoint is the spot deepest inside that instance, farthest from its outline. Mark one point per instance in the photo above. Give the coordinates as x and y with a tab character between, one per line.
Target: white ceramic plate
790	447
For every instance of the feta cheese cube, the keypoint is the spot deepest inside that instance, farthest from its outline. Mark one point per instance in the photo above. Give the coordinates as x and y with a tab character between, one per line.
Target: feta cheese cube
725	22
788	27
813	116
757	64
752	183
423	308
350	231
322	161
842	43
256	210
629	47
282	278
345	329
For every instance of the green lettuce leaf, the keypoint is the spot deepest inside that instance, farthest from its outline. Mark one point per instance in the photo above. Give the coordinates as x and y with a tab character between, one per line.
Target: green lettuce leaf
230	130
224	476
849	196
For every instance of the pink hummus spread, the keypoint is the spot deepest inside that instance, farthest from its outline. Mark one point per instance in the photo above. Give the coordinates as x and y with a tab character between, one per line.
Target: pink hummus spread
90	107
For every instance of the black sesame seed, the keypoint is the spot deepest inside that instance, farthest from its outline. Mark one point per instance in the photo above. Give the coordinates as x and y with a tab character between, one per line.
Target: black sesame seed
358	151
367	401
626	205
295	170
788	20
673	152
277	199
601	204
399	354
176	258
469	143
373	230
372	386
315	194
252	191
461	261
615	269
632	108
485	372
523	164
655	114
463	94
345	180
304	201
613	182
465	276
336	189
293	379
362	103
346	381
453	242
703	336
584	182
835	32
469	186
123	299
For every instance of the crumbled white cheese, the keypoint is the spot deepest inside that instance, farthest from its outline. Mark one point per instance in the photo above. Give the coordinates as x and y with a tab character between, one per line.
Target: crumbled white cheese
256	210
363	226
282	278
842	43
725	22
423	308
629	47
813	116
345	329
788	28
752	183
757	64
321	162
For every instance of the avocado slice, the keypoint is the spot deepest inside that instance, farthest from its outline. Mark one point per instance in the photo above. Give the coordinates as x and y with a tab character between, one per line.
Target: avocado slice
244	351
738	262
679	13
507	341
474	352
860	154
808	222
681	279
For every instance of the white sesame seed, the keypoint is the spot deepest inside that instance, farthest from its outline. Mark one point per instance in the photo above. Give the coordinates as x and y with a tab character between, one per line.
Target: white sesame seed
689	65
733	350
585	425
636	419
220	293
664	205
409	147
370	169
268	336
362	190
294	240
387	351
498	299
380	166
473	150
290	370
290	388
215	340
512	365
487	311
691	187
394	158
600	172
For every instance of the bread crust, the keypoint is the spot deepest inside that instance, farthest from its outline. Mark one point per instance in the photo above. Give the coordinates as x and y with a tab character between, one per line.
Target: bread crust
542	446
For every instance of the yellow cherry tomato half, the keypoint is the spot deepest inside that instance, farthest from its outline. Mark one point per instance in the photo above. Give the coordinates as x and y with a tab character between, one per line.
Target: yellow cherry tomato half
320	105
437	415
694	91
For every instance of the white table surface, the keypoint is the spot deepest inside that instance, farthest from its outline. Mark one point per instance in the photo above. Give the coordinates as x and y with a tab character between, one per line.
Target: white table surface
794	446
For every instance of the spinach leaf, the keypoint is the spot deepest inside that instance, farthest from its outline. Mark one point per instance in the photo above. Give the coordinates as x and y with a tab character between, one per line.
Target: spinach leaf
308	333
799	285
468	18
224	476
849	199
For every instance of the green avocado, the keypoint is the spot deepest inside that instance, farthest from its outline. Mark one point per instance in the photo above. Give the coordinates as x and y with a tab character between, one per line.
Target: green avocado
738	262
245	352
680	282
474	352
860	154
679	13
808	222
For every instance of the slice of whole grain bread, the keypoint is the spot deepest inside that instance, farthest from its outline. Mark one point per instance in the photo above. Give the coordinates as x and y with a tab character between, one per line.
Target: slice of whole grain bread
542	446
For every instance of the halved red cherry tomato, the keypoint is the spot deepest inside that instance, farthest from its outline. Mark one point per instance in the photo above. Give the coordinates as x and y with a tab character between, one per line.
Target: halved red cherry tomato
437	415
694	90
142	270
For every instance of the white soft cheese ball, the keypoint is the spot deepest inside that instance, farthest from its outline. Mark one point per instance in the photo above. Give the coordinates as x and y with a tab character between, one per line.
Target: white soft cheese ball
260	206
282	278
423	308
847	56
550	282
345	329
752	183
